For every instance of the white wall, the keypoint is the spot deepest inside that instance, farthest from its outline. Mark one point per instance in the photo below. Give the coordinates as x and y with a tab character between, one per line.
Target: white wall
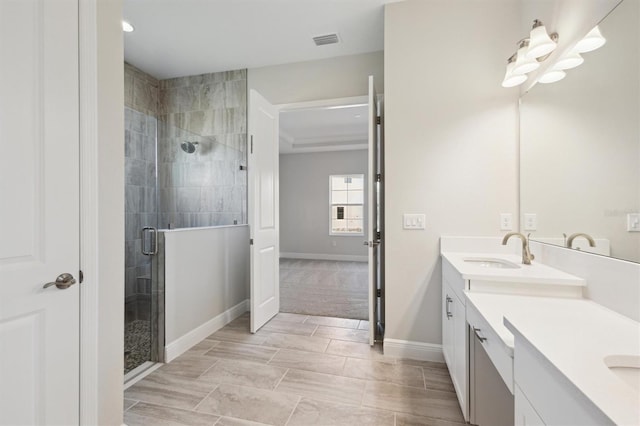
206	276
339	77
450	143
304	203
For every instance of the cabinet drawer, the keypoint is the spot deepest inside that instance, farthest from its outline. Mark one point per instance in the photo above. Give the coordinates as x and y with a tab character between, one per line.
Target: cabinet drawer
492	344
453	279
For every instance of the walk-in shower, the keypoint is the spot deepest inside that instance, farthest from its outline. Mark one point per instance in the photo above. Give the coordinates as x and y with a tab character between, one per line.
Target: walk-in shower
185	158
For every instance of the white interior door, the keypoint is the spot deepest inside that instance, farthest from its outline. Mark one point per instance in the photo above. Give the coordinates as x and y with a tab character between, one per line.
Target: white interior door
263	210
39	212
373	202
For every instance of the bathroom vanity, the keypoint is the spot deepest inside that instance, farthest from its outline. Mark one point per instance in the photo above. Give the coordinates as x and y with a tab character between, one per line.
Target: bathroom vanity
524	347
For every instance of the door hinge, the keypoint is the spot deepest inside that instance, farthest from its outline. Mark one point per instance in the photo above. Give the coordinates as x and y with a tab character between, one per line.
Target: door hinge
251	144
80	276
378	293
378	120
378	177
250	241
378	235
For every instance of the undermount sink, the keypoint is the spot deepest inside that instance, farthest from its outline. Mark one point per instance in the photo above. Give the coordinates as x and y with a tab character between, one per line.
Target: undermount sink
491	262
626	367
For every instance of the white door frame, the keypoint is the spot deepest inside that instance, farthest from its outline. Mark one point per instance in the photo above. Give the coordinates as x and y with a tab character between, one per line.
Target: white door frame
94	388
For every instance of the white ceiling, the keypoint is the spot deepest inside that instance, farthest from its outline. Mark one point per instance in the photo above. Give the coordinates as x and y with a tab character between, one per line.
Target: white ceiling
336	128
175	38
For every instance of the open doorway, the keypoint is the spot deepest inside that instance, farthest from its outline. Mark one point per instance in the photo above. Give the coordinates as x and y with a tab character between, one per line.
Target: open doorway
324	208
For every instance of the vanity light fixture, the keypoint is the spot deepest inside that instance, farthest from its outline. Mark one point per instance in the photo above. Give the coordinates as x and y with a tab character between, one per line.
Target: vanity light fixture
524	64
127	27
592	41
511	79
552	76
569	61
540	43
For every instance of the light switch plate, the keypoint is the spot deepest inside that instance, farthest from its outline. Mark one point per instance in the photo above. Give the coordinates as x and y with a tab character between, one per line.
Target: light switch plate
530	221
506	221
413	221
633	222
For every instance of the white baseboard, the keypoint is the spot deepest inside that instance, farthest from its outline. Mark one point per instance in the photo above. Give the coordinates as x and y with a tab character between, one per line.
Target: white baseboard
195	336
413	350
322	256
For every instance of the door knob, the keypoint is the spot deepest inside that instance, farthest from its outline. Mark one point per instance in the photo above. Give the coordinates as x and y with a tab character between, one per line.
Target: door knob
63	281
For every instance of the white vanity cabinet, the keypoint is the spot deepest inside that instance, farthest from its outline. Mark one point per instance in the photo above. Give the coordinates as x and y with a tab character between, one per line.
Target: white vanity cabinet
455	334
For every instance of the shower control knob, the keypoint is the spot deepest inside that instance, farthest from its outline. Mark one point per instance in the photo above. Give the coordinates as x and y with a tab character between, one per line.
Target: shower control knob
63	281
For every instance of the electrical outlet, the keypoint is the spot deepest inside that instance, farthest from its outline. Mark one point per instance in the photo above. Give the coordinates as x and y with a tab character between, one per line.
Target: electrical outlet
530	221
413	221
506	222
633	222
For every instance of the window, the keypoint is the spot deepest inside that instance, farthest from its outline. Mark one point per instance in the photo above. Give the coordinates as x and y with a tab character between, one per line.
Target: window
346	199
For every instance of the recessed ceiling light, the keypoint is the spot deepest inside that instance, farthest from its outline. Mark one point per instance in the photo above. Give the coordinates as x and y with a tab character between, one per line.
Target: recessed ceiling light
127	27
357	116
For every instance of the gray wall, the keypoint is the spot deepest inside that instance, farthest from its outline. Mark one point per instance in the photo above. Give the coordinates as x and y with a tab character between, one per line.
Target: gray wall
205	188
304	202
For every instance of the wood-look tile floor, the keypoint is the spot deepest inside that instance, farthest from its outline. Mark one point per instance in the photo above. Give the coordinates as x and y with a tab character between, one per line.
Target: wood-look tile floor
297	370
324	287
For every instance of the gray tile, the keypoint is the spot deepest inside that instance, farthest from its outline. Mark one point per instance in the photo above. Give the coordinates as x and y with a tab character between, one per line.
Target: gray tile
322	386
244	373
231	350
403	419
239	336
420	402
289	327
249	404
131	419
437	378
303	343
405	375
283	316
357	350
348	334
189	365
363	325
202	347
310	361
230	421
312	412
169	390
426	364
181	417
128	403
333	322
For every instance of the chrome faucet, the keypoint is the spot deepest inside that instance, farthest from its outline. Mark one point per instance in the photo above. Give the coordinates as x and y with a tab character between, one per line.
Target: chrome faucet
572	237
527	257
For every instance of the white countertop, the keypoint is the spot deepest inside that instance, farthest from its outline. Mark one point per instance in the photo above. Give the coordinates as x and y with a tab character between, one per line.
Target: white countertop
574	335
535	273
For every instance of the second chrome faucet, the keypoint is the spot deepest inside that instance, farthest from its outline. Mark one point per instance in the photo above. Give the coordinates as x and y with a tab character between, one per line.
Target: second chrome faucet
527	257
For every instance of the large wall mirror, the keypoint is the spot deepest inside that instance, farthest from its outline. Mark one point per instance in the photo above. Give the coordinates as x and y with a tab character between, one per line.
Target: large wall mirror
580	146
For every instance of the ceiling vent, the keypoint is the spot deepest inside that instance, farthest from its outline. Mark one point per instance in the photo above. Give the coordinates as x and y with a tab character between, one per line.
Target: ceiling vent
326	39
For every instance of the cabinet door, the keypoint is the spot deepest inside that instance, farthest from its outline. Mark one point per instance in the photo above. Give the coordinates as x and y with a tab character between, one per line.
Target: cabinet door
447	326
525	414
460	354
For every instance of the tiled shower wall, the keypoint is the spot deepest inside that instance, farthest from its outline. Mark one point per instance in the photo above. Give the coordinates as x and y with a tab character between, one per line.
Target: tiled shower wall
141	99
207	187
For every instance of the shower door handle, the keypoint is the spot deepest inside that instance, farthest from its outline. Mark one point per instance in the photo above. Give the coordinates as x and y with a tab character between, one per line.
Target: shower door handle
153	233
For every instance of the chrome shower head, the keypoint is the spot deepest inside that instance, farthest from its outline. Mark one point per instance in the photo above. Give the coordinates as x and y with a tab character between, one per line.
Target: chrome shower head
189	147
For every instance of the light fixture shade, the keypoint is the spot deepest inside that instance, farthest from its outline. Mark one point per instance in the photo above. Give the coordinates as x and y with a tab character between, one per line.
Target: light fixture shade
552	76
592	41
511	80
127	27
524	65
569	61
540	43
